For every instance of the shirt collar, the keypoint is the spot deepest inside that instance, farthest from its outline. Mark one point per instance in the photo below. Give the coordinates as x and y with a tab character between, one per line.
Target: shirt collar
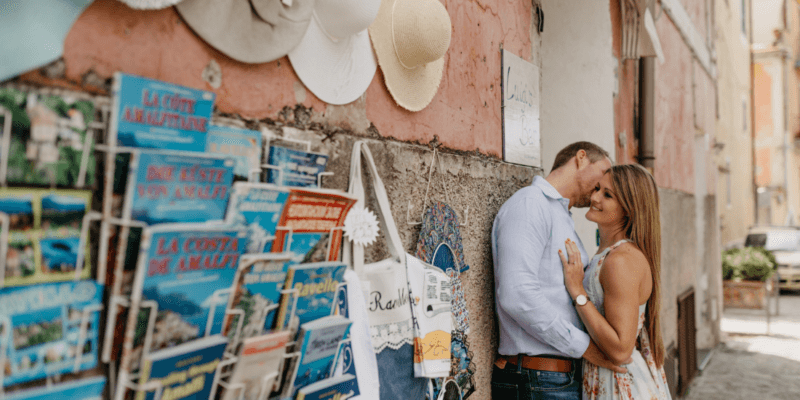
551	192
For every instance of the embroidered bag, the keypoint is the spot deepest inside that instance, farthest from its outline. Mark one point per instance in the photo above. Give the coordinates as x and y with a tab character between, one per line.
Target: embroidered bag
440	244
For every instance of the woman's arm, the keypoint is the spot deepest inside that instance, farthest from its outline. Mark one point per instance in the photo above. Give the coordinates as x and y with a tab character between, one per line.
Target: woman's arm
621	278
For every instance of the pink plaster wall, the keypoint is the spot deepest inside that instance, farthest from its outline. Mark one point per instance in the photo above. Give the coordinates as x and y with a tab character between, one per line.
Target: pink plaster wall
674	119
697	12
465	114
705	121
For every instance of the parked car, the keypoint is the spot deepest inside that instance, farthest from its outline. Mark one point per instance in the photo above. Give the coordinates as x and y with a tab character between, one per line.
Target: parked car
784	243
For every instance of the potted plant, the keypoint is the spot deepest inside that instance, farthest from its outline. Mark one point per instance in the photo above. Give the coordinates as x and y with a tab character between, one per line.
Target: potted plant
745	274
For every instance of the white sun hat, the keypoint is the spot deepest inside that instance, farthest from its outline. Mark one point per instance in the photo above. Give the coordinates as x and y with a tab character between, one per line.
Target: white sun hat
250	31
335	60
410	38
150	4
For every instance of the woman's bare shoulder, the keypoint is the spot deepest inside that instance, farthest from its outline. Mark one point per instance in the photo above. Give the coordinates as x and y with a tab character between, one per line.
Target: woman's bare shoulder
626	265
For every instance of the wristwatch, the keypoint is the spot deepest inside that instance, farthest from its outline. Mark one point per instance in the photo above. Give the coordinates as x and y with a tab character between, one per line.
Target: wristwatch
581	300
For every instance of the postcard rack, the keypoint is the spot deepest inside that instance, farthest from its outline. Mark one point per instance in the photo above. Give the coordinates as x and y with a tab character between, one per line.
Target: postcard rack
291	353
93	129
256	173
103	108
229	358
7	335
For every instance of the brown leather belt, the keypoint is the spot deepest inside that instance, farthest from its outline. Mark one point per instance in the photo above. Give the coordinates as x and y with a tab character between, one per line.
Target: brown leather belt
537	363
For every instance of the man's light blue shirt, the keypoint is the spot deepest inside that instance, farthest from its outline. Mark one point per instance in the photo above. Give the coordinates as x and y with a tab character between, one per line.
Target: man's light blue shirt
534	309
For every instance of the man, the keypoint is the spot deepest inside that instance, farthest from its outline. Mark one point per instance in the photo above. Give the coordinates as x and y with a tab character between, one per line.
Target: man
542	339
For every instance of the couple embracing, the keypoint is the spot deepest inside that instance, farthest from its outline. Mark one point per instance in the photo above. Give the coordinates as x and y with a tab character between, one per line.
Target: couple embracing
571	326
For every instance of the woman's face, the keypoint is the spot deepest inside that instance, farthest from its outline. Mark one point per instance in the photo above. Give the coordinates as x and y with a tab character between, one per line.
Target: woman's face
605	208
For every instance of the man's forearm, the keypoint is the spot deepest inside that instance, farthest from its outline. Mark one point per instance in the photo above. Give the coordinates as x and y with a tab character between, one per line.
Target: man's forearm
597	357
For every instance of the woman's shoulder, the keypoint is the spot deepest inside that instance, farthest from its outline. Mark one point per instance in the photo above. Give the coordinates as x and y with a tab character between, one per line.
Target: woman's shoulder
626	261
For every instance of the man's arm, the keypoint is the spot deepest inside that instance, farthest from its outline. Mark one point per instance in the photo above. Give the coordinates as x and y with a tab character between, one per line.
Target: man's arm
595	356
522	233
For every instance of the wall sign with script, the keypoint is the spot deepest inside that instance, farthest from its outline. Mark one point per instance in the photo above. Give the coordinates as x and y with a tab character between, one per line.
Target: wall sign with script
521	138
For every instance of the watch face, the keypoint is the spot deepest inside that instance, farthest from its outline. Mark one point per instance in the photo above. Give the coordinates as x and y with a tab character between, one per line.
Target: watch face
580	300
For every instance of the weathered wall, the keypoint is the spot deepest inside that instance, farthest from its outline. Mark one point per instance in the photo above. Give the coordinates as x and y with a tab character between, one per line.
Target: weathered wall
678	256
464	119
464	115
777	103
478	184
767	16
684	166
674	125
577	85
735	189
766	79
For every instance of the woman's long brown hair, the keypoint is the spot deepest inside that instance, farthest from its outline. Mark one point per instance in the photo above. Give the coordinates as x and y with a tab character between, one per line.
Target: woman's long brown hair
638	196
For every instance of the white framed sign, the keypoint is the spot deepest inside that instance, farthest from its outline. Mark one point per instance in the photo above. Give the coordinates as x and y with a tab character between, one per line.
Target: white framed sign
520	91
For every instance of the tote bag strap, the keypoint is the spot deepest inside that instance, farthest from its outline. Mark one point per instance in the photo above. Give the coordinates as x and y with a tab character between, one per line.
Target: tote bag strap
384	211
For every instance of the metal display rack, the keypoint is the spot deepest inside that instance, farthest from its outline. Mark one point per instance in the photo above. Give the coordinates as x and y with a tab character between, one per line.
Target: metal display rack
102	108
120	381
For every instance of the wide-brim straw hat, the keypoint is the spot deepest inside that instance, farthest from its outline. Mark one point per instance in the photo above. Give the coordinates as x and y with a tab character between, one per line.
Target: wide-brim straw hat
150	4
334	60
250	31
410	38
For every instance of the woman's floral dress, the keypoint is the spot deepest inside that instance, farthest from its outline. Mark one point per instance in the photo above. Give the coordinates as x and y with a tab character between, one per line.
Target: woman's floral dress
644	380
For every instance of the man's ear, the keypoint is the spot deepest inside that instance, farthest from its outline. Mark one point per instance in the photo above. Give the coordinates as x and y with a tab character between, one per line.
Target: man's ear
581	159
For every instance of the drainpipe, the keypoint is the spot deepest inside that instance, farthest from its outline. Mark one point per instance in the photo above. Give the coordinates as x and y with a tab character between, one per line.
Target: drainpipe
647	107
647	111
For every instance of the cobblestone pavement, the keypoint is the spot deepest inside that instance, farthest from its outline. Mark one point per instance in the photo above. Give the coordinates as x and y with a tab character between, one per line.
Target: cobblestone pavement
755	361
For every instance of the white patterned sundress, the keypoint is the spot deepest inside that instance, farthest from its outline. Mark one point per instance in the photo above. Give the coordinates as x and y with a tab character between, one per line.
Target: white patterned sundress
644	380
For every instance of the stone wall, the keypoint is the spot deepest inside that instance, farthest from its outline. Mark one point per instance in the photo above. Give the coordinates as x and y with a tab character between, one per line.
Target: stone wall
476	186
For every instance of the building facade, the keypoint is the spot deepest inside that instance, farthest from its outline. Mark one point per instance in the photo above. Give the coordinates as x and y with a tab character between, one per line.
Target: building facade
662	113
776	25
734	144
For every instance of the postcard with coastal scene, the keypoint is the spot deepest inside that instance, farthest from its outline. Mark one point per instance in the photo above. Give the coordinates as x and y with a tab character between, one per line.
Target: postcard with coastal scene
43	234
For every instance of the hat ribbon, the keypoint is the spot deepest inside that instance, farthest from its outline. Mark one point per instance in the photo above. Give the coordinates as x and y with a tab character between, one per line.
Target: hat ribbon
394	42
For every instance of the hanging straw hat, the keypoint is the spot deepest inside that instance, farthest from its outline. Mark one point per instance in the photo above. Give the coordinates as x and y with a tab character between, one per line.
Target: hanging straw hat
250	31
410	38
334	60
150	4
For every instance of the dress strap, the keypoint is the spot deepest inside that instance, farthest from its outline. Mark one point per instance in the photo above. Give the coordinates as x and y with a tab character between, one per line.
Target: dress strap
615	245
612	247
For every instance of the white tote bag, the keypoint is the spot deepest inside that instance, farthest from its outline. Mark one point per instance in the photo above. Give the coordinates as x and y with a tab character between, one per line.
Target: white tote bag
388	305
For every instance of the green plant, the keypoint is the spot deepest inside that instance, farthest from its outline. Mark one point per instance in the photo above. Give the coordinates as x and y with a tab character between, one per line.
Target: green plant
748	264
730	264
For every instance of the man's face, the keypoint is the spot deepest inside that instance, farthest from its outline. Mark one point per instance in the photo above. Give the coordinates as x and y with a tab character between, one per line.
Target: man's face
588	177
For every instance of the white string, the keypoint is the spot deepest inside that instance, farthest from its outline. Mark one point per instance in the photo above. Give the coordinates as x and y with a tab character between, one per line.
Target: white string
428	188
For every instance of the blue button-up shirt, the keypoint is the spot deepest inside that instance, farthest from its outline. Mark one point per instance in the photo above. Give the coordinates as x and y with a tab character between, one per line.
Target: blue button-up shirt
534	309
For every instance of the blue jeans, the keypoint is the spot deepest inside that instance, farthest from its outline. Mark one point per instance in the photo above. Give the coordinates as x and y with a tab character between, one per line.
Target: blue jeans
516	383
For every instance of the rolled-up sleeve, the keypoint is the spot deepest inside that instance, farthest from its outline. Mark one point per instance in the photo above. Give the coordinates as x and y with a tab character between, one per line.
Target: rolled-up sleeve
521	234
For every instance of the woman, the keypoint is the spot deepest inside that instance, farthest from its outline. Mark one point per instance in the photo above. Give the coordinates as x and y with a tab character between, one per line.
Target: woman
622	286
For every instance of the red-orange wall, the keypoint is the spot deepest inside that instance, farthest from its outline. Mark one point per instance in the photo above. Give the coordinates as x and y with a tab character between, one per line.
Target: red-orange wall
465	114
762	102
